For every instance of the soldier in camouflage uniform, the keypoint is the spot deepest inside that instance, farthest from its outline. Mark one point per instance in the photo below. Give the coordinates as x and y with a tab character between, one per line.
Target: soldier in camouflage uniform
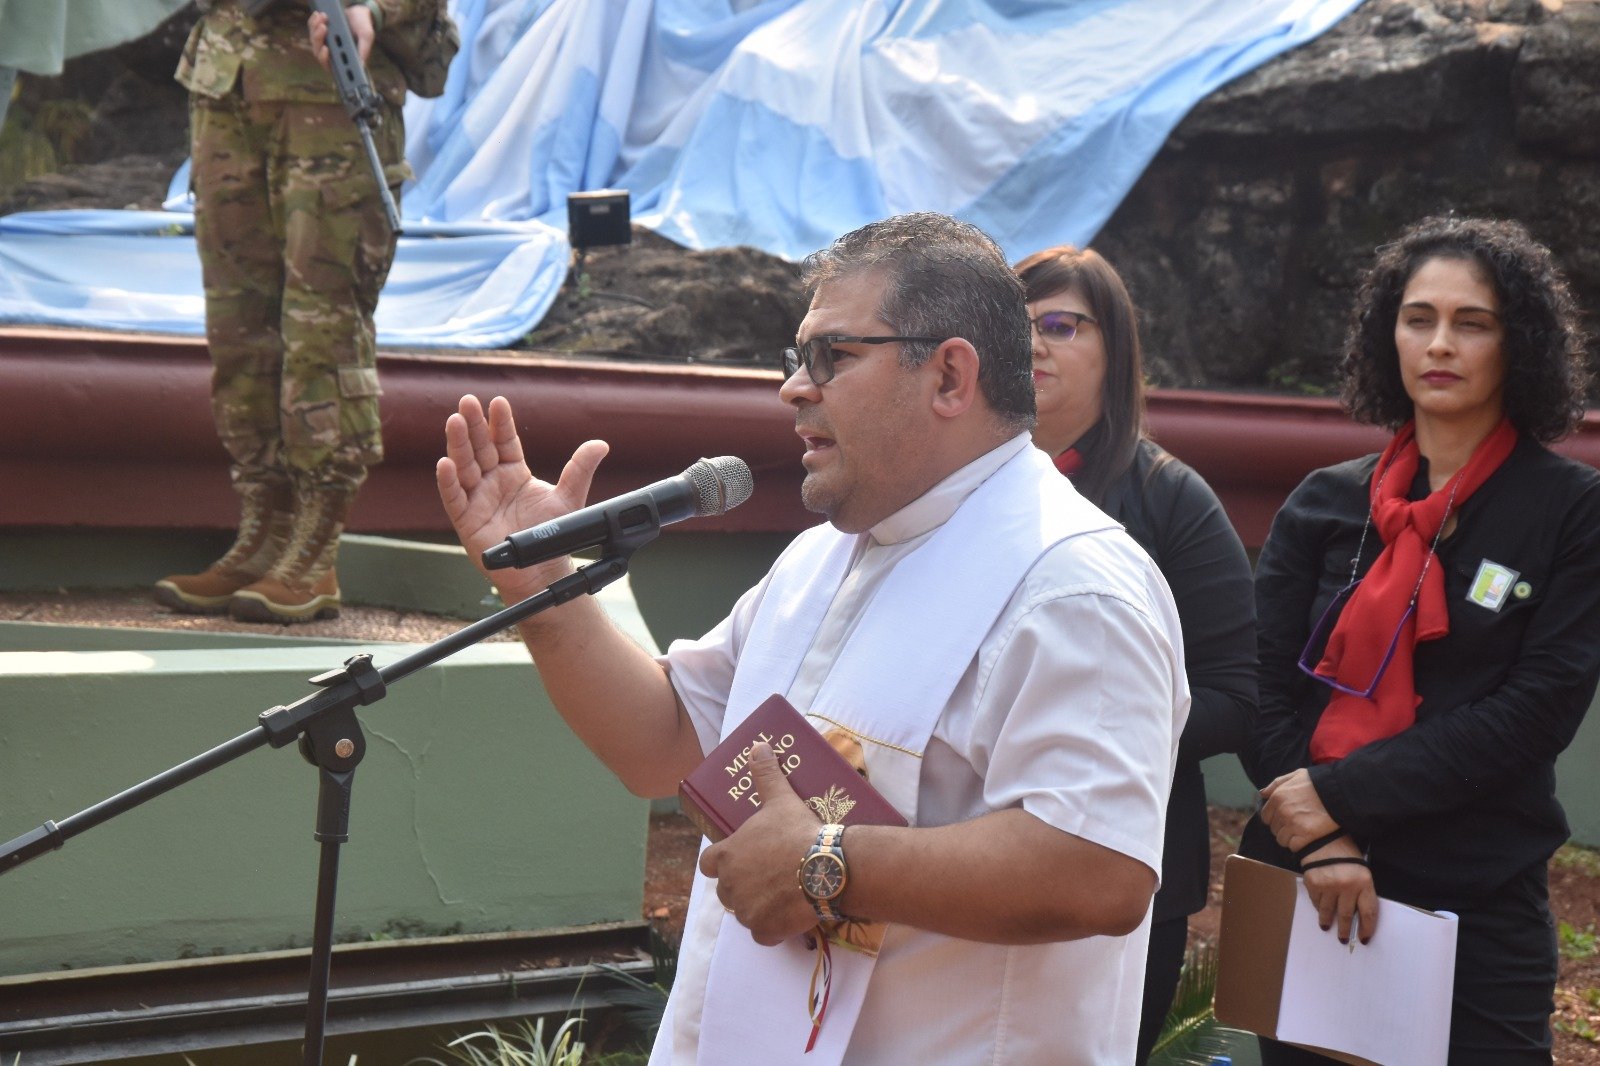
294	248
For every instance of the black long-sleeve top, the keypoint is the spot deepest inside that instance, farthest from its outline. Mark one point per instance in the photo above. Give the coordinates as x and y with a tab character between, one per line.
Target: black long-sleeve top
1178	520
1464	800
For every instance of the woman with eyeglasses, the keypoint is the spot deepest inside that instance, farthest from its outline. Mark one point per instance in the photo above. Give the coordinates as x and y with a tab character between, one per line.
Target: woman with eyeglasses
1430	626
1089	384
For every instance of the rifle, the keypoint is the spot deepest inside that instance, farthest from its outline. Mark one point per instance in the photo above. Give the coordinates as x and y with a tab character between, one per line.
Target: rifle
357	95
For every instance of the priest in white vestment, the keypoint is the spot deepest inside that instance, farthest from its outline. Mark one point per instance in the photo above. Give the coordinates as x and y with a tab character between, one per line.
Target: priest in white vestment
1004	657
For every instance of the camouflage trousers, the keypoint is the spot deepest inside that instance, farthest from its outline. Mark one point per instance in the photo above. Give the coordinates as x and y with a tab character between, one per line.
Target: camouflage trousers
294	249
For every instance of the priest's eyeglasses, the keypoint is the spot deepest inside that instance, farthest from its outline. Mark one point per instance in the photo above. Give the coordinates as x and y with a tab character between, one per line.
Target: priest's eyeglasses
816	354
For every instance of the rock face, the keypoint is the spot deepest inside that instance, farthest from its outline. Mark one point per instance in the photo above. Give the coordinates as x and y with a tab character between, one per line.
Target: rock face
655	300
117	115
1244	240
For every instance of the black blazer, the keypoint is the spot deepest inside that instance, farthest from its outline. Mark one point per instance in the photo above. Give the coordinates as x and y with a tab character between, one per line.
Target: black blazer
1464	800
1178	520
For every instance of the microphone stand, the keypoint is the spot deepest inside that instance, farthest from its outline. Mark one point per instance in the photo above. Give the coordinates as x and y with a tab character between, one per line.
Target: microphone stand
330	738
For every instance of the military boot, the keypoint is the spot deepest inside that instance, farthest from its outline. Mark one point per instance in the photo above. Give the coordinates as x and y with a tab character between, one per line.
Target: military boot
302	585
263	533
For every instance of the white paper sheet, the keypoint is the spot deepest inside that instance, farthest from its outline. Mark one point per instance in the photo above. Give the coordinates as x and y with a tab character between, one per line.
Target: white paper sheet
1387	1000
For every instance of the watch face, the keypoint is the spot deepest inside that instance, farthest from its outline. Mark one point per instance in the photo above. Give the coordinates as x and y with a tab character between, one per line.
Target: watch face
822	877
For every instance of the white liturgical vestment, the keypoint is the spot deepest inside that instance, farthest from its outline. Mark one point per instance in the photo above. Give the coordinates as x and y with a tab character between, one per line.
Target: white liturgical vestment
1069	708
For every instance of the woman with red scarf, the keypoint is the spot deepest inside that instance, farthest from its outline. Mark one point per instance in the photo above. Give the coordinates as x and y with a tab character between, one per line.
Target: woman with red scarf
1429	626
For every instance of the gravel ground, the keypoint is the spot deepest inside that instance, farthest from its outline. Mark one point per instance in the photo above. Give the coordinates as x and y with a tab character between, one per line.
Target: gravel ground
135	609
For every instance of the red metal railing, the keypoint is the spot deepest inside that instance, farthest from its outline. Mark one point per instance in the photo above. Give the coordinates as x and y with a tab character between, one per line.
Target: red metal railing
114	430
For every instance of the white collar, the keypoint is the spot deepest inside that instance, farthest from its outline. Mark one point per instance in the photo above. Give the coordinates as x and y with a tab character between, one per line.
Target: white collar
934	507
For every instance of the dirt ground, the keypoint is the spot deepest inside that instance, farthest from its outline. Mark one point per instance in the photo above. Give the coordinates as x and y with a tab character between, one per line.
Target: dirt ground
674	842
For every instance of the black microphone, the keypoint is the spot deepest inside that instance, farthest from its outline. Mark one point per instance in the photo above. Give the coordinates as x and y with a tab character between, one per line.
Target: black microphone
710	486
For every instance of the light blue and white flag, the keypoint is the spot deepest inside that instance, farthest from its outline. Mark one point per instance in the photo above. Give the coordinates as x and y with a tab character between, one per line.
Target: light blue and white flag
778	124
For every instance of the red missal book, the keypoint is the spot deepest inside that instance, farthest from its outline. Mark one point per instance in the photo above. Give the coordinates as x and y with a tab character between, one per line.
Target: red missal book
718	796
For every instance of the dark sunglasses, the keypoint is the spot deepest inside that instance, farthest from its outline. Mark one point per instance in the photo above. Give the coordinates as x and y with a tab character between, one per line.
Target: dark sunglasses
1060	325
816	354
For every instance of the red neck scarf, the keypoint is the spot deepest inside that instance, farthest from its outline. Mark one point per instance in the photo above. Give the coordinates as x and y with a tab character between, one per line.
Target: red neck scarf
1069	461
1378	607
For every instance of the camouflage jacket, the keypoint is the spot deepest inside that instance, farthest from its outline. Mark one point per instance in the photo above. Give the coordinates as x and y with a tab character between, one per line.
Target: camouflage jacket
269	56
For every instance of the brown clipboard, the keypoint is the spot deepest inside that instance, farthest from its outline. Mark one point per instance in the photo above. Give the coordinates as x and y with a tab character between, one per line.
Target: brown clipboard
1253	949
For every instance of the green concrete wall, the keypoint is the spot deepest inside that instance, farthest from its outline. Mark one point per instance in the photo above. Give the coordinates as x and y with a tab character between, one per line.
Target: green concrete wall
49	559
685	583
475	810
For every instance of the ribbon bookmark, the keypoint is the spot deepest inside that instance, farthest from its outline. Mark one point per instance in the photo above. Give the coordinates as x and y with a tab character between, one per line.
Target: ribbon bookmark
823	970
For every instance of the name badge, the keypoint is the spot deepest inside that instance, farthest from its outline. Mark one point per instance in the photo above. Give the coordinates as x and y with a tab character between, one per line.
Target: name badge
1491	585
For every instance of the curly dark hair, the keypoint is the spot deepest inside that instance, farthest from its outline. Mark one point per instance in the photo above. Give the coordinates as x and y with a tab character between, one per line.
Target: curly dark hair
1546	371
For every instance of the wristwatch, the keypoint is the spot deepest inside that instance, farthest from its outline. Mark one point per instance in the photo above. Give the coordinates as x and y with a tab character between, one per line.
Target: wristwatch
823	873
